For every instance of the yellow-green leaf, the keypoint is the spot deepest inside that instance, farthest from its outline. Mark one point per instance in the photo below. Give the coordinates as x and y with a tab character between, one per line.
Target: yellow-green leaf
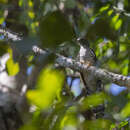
118	24
20	3
1	20
104	8
114	19
30	3
126	111
11	66
110	12
31	14
48	87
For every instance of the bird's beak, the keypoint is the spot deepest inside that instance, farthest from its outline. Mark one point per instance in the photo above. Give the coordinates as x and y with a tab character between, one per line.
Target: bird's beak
78	39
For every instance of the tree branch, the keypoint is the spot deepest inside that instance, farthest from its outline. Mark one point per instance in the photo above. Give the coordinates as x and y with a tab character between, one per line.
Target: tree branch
102	74
99	73
8	35
77	66
121	11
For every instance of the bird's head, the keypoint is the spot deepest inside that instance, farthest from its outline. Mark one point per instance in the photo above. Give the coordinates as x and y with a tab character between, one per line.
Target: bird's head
83	42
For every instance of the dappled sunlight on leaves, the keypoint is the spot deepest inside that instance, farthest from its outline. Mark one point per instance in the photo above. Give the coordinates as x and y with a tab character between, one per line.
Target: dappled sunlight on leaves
54	26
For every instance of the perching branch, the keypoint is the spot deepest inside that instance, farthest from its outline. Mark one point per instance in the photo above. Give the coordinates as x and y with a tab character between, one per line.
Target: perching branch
77	66
102	74
99	73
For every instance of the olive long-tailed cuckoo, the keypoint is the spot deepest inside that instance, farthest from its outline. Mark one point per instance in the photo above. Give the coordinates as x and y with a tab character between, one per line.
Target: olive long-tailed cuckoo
87	56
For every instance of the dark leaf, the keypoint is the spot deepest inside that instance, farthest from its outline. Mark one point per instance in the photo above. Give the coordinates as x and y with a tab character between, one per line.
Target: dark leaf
3	48
55	29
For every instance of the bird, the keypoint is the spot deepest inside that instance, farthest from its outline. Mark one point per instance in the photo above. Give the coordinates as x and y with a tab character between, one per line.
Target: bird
87	54
88	57
92	84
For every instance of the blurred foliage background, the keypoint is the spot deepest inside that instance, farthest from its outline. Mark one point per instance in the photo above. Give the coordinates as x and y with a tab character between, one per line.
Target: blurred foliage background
51	96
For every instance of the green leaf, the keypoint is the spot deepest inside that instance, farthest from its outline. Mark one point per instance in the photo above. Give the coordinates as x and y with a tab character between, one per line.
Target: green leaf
98	124
123	123
55	29
3	1
118	24
104	8
125	70
112	126
69	119
115	18
49	85
110	12
127	5
112	64
60	110
2	20
3	48
126	111
20	3
93	100
102	29
31	14
11	66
